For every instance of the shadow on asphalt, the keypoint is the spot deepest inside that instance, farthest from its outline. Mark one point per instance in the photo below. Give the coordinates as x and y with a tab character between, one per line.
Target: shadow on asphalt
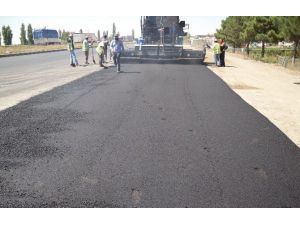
213	64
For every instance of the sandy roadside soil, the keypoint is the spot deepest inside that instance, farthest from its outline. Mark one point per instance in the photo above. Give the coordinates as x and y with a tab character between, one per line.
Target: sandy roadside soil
272	90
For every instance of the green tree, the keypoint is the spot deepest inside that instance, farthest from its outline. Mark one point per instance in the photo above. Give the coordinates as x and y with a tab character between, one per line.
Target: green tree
290	27
64	35
231	29
267	30
0	38
4	33
7	35
248	34
114	30
23	35
132	33
98	35
29	34
59	33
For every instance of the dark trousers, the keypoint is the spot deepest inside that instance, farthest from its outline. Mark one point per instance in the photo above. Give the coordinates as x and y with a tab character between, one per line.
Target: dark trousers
117	57
86	53
101	60
105	54
222	59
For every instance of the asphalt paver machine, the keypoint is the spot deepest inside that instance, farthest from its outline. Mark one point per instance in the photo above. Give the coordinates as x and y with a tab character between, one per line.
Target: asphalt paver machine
162	41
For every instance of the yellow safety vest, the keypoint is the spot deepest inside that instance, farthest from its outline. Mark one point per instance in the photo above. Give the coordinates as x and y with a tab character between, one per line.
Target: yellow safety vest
216	48
100	50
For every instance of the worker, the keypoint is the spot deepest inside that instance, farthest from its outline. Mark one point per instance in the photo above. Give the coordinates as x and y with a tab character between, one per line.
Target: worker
117	47
70	46
216	51
101	51
85	49
223	48
106	44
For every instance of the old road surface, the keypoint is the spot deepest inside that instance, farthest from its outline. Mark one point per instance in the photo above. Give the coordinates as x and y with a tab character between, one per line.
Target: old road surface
156	135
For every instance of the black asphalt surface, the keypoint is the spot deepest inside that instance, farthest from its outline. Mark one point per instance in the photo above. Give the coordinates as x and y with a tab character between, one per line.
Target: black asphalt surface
156	135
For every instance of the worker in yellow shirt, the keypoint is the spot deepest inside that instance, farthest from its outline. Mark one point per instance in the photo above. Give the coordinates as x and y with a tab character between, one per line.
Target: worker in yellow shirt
101	51
217	52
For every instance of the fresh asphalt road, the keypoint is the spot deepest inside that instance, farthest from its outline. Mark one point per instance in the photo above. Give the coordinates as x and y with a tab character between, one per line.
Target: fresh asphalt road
157	135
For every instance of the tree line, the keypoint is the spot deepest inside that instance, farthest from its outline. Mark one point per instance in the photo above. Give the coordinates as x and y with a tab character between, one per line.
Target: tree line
26	40
7	35
241	31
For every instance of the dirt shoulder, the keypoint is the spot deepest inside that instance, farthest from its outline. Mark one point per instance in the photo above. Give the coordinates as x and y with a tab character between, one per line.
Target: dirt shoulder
14	50
272	90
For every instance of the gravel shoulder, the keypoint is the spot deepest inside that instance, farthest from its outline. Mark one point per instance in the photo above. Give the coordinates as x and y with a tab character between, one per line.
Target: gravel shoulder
272	90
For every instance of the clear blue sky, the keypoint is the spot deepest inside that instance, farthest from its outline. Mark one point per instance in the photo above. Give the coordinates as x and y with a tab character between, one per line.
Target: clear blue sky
124	24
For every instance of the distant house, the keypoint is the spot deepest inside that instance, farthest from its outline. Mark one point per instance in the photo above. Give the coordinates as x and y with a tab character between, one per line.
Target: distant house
127	38
202	40
285	44
79	37
45	37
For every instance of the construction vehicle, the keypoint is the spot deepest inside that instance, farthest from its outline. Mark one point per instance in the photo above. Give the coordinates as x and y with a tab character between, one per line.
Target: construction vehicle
162	41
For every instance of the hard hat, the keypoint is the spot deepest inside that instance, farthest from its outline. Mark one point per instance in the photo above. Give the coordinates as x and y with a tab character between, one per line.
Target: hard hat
101	44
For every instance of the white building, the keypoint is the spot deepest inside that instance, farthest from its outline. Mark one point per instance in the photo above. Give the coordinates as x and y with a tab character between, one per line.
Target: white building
79	37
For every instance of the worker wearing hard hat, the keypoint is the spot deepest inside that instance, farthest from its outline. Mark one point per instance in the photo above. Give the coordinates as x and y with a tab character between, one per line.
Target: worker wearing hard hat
70	46
100	50
117	47
85	49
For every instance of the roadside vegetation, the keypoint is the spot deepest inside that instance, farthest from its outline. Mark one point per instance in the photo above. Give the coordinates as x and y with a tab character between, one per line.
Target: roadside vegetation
242	31
271	54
